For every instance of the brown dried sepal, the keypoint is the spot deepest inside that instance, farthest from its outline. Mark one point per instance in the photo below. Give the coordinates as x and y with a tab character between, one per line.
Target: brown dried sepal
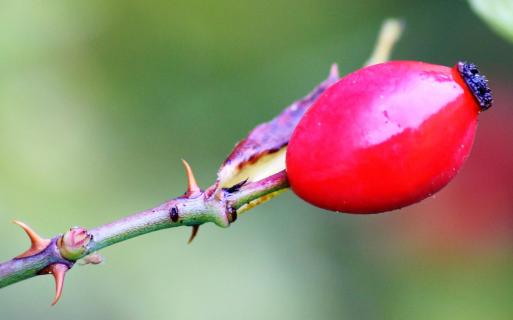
264	146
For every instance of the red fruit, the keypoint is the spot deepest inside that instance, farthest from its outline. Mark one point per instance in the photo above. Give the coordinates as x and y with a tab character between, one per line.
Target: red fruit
386	136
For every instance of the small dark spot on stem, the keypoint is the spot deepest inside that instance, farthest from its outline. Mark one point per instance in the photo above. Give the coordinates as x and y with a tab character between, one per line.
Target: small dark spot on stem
173	214
232	215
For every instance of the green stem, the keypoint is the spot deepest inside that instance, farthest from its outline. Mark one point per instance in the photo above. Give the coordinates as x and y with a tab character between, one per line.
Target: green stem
252	194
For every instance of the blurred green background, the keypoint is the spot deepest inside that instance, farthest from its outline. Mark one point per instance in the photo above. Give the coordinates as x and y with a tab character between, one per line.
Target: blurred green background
99	101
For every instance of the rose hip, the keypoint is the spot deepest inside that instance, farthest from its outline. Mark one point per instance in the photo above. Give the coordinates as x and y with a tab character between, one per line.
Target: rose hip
386	136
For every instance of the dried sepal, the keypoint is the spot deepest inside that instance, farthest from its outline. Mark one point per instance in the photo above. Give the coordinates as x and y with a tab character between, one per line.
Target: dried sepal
38	243
262	153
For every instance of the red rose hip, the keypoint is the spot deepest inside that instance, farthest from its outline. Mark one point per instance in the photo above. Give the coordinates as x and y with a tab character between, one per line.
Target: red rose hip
386	136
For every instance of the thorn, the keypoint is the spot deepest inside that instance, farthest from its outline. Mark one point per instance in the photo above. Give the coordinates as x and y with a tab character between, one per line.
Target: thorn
192	188
58	270
194	233
38	244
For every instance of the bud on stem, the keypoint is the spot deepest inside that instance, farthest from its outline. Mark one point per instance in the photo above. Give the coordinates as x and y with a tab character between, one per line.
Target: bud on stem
73	243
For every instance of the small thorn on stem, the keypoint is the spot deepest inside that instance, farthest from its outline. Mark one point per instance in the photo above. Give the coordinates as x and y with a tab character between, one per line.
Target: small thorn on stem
192	188
38	243
194	233
58	270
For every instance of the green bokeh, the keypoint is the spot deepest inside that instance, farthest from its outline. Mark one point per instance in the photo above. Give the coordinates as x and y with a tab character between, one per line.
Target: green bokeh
497	13
99	101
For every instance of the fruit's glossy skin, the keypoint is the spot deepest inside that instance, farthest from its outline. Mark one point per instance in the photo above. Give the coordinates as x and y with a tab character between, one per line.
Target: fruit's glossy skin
383	137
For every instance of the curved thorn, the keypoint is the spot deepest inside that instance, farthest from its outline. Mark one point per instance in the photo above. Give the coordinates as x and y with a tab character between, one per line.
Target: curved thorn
192	187
194	233
58	271
38	243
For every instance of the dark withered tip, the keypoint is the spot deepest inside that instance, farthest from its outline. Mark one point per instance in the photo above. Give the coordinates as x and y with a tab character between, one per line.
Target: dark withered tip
477	83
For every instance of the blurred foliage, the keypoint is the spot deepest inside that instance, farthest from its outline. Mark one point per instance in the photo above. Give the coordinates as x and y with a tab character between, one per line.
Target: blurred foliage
497	13
99	101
